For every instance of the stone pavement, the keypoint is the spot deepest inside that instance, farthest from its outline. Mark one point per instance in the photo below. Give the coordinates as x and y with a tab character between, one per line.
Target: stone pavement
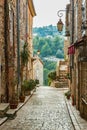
78	122
20	105
47	109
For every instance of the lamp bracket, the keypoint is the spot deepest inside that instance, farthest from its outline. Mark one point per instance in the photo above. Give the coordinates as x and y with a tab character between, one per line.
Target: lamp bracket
60	12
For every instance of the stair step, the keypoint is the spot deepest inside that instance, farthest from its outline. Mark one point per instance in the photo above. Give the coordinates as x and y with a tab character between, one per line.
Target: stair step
3	109
11	113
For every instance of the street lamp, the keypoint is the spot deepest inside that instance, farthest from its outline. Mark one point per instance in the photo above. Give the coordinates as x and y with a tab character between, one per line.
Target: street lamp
38	52
60	23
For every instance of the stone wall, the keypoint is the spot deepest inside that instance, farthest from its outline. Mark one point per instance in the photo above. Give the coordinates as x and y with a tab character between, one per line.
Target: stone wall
2	59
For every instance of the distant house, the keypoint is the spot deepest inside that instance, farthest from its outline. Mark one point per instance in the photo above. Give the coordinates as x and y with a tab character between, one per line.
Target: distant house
38	70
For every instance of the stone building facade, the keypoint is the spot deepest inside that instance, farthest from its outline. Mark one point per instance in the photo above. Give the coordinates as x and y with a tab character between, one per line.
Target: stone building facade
78	55
2	59
61	72
38	70
16	20
8	49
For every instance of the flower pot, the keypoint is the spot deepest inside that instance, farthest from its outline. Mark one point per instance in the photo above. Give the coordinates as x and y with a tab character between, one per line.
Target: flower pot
22	98
13	104
27	93
68	97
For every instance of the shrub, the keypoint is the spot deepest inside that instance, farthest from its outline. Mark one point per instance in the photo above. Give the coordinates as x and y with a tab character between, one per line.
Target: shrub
36	81
31	84
68	76
68	94
52	75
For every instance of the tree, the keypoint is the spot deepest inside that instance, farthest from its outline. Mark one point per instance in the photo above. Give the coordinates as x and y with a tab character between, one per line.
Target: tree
46	50
60	54
52	75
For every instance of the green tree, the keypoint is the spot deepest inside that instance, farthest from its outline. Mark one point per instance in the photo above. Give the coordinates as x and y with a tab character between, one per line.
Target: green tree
52	75
46	50
60	54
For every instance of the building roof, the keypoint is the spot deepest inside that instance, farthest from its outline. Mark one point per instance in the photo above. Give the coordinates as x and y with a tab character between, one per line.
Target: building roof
31	6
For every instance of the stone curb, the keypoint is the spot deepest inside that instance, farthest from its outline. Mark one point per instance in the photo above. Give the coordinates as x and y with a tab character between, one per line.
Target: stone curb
72	116
4	119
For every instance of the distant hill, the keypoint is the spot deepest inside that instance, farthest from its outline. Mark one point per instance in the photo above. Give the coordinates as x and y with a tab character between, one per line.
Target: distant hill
50	43
46	31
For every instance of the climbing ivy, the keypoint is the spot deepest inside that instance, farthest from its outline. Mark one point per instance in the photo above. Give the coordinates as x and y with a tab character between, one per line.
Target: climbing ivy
24	54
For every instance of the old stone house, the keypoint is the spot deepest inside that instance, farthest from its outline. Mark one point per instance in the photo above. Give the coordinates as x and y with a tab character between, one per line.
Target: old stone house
78	54
38	70
8	47
16	20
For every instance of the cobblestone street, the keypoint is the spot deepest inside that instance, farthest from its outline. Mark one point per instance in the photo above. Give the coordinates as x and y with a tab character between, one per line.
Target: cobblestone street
46	110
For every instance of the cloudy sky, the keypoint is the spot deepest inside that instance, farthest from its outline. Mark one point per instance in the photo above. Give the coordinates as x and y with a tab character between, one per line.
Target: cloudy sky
46	11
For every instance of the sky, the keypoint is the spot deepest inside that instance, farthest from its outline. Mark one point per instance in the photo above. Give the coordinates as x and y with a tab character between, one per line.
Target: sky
46	12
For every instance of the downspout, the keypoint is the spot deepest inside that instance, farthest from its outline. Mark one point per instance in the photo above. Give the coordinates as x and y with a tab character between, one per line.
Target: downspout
26	30
6	32
72	31
72	39
26	19
18	45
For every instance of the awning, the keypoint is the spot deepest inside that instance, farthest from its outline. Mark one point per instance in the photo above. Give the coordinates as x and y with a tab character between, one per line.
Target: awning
71	50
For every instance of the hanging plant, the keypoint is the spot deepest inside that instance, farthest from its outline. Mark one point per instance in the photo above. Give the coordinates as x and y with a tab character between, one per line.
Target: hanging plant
24	54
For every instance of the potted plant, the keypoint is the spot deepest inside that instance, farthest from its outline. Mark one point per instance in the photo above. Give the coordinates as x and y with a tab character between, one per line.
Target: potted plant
37	82
24	87
68	76
68	94
22	97
31	84
14	101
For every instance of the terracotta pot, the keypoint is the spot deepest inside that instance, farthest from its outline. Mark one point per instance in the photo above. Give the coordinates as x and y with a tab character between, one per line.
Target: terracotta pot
22	98
13	106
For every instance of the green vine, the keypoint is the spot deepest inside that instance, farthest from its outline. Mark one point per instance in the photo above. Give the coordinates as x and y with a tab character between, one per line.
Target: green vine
24	54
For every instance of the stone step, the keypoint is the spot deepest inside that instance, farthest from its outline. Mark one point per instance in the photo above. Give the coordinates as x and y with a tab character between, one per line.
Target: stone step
11	113
3	109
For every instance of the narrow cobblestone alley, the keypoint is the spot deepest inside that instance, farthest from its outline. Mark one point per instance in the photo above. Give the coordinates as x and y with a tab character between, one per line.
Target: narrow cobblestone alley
46	110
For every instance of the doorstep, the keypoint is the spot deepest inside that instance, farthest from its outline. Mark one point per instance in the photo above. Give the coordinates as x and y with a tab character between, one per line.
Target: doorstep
12	112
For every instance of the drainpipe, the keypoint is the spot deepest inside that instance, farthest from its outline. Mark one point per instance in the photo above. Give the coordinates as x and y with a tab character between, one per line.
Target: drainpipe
26	30
72	31
18	44
72	21
26	18
6	17
72	39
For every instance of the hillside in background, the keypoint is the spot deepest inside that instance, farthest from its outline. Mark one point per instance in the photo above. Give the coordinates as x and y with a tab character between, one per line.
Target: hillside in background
46	31
50	43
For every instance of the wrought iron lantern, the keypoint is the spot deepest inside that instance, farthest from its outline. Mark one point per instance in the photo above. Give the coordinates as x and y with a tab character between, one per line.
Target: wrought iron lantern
60	25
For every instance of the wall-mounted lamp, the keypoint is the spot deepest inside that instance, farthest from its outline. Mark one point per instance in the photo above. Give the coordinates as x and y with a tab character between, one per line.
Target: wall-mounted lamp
60	23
